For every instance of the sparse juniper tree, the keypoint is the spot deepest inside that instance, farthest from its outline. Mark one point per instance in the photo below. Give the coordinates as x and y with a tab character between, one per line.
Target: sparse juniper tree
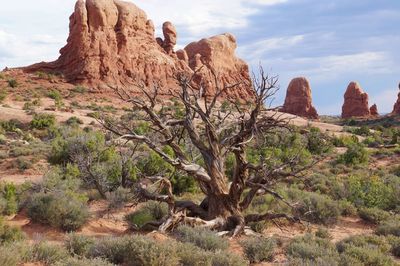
201	139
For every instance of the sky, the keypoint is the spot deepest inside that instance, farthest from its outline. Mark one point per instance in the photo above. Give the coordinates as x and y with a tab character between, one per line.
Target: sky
331	42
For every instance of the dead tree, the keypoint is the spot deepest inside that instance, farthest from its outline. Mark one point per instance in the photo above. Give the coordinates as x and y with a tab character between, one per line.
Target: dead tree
215	134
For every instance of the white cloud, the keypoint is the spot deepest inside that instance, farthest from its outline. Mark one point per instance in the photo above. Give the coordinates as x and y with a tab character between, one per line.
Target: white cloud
201	17
16	50
257	50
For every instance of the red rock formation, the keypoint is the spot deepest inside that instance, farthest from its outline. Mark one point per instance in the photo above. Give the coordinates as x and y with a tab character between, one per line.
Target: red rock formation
396	108
299	100
355	102
112	42
217	54
373	110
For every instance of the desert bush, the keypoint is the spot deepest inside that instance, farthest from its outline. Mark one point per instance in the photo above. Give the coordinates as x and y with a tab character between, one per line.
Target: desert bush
3	95
83	262
344	141
23	164
48	254
366	250
355	154
348	209
78	244
259	249
373	215
370	191
8	199
43	121
101	166
311	250
316	207
79	89
191	255
9	256
365	256
12	83
201	237
59	210
55	95
11	125
135	251
150	211
119	198
323	233
9	234
317	142
74	121
389	227
227	259
395	245
64	179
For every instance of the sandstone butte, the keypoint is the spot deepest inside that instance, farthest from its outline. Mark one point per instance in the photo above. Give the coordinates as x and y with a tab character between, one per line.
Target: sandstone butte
355	102
112	43
299	100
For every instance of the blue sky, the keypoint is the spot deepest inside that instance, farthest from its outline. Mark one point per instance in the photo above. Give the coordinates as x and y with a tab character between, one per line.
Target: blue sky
331	42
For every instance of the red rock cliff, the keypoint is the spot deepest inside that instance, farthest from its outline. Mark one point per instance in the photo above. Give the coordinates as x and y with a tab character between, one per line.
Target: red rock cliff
112	42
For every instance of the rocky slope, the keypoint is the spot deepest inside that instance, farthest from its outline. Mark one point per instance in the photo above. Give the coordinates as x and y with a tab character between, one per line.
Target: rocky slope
112	43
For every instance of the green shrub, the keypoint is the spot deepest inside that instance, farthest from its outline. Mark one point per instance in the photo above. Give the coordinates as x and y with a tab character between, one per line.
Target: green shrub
366	250
395	243
356	154
58	210
389	227
43	121
3	96
8	198
191	255
373	215
9	256
149	212
317	142
227	259
119	198
55	95
79	244
11	125
9	234
311	250
135	251
74	121
370	191
12	83
259	249
48	254
315	207
323	233
365	256
79	89
201	237
83	262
